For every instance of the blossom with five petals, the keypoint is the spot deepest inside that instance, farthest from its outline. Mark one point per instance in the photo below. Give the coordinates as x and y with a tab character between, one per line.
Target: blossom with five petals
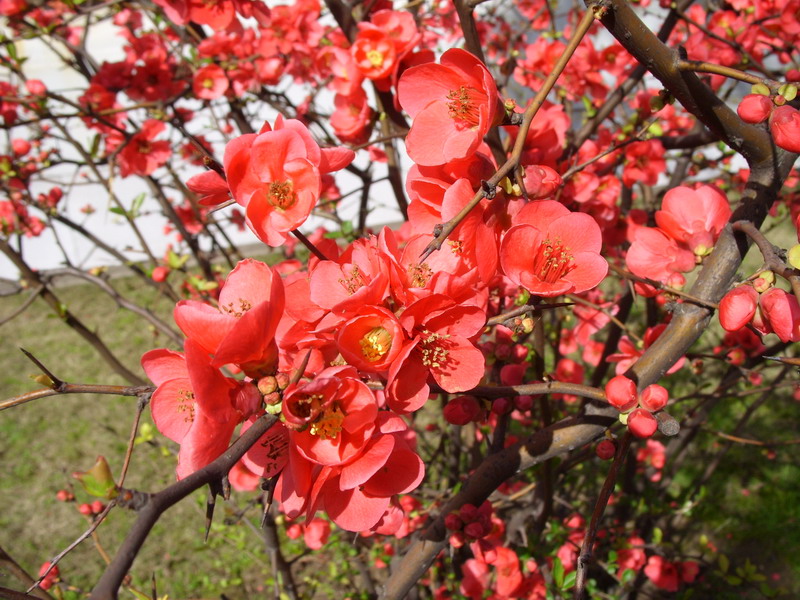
453	105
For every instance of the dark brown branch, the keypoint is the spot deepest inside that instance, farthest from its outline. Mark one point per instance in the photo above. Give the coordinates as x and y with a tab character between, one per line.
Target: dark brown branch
78	388
771	255
696	97
111	580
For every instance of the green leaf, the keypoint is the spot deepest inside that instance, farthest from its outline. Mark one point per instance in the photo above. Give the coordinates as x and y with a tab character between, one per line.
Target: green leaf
118	211
136	205
724	563
658	535
98	481
760	89
558	573
569	580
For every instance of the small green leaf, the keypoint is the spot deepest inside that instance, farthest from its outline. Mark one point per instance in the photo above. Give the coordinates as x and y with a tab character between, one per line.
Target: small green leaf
558	573
569	580
118	211
794	256
658	535
788	91
724	563
98	481
760	89
136	205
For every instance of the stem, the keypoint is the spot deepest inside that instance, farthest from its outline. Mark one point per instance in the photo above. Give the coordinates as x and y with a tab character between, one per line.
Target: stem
585	555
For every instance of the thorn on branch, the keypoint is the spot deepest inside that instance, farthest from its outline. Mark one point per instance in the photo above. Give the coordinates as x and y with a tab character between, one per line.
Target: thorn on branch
55	383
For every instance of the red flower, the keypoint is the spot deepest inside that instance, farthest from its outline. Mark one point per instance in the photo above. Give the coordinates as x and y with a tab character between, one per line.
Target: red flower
209	82
242	329
737	307
141	155
662	573
655	255
276	176
193	405
440	346
453	105
694	217
784	124
754	108
552	251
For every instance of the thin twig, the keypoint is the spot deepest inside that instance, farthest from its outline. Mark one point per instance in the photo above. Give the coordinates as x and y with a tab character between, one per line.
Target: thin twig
585	555
77	388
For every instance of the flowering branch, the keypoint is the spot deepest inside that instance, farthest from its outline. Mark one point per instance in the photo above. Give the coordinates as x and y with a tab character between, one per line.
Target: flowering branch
441	233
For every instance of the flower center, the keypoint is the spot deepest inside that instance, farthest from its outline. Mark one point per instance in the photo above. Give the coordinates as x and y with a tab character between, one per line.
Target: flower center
281	194
329	423
463	104
420	274
231	309
186	405
375	344
375	58
552	261
434	354
354	281
208	83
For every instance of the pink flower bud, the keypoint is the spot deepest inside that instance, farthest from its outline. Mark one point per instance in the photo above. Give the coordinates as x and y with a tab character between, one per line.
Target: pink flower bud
784	124
97	507
453	522
502	406
642	423
64	496
782	312
736	357
85	509
20	147
159	274
474	530
754	108
621	393
36	87
737	307
654	397
462	410
605	450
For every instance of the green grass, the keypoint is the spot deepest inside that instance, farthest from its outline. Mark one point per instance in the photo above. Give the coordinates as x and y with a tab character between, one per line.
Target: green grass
44	441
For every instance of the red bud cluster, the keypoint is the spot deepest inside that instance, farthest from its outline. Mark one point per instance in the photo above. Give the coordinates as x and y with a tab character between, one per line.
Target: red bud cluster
621	393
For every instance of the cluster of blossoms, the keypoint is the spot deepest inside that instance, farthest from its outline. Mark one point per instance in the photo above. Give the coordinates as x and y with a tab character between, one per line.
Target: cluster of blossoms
346	348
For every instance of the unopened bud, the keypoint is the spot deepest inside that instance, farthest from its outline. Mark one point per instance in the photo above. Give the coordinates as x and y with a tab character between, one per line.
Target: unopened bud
283	380
667	424
267	385
528	324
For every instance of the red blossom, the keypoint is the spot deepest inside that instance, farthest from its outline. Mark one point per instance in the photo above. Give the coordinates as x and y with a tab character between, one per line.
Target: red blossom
142	154
552	251
453	105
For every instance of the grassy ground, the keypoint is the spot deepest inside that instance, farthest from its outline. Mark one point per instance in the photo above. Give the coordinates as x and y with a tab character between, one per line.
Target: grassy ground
42	442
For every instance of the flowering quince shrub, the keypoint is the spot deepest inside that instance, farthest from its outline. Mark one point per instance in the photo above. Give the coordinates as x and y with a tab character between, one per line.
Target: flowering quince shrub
520	389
